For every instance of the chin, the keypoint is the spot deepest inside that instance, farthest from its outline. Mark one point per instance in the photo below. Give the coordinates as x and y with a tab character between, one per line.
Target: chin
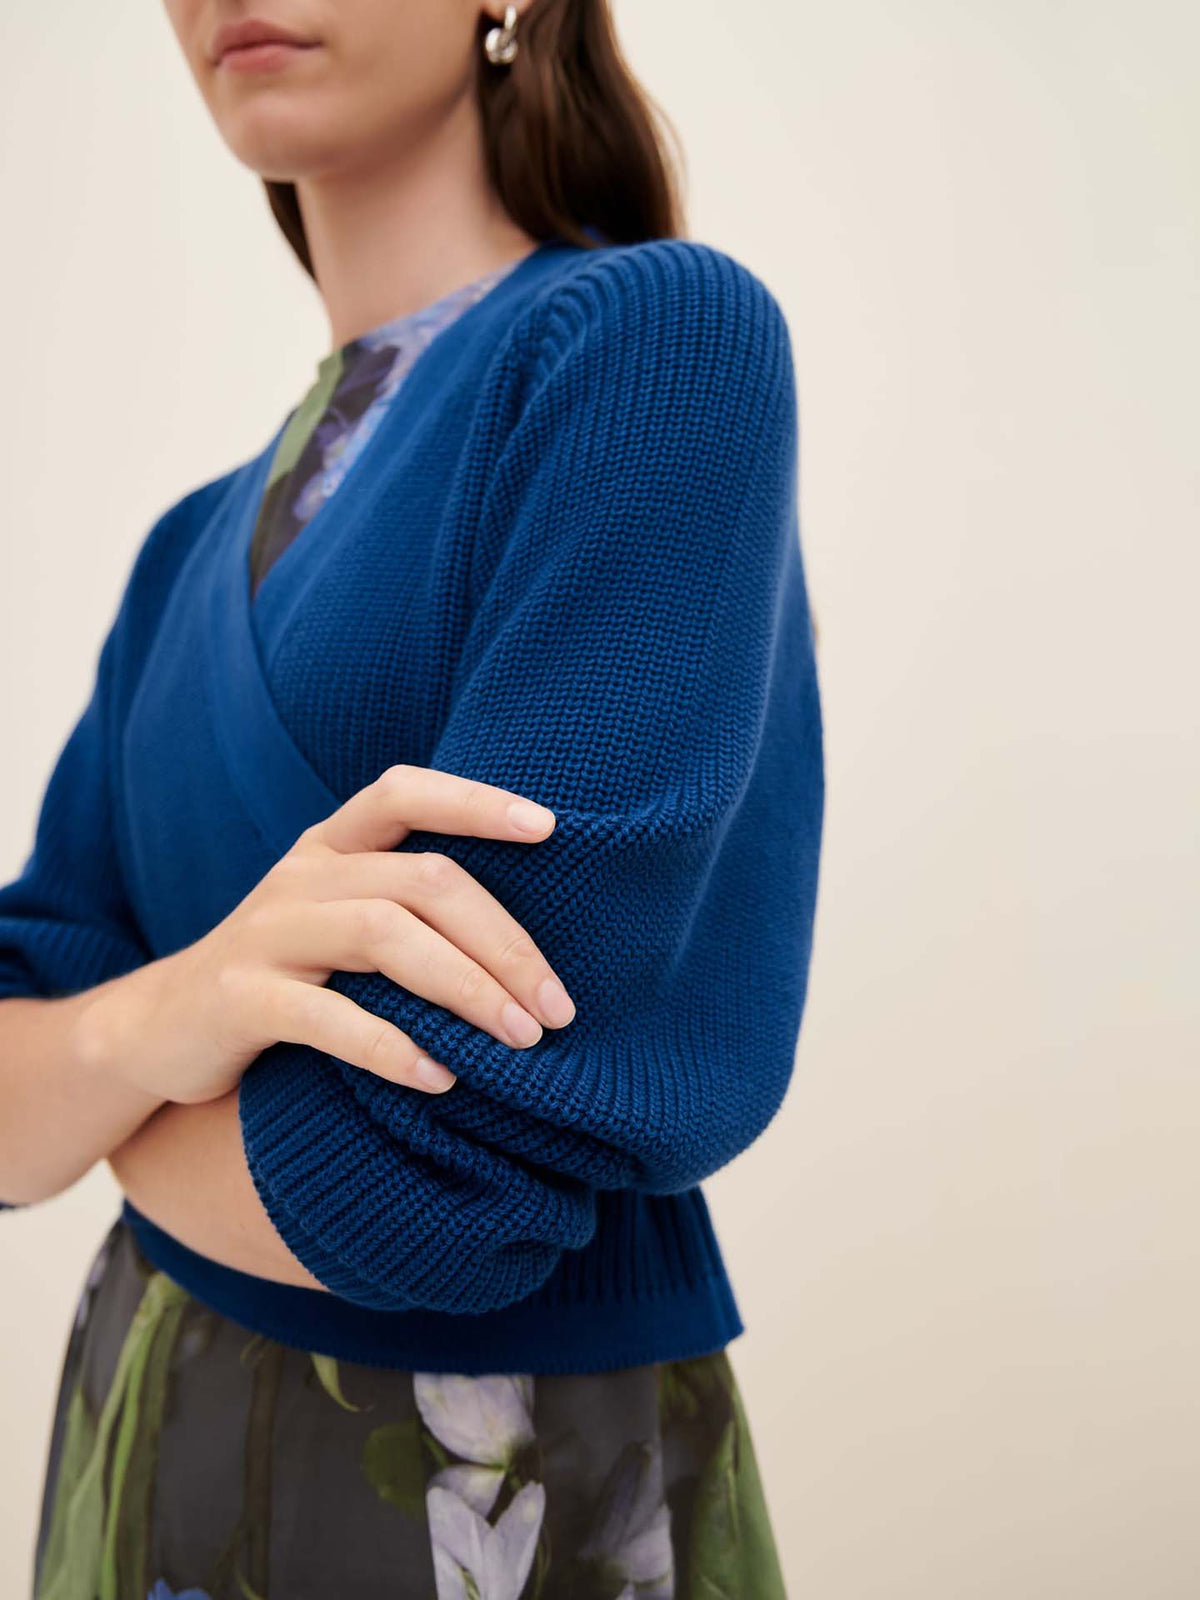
281	148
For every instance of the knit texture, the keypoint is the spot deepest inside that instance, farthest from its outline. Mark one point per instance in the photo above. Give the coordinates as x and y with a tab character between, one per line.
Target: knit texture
618	629
66	921
636	656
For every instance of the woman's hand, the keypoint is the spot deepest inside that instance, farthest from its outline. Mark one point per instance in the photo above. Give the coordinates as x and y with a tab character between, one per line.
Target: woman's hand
187	1026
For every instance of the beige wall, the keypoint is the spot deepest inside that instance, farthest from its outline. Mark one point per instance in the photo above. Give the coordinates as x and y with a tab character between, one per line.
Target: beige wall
966	1249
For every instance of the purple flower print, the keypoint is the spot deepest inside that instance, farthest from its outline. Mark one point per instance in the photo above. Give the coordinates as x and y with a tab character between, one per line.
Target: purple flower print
95	1273
631	1534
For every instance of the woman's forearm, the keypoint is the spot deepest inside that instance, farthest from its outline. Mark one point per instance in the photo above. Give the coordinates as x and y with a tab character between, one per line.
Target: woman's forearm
185	1169
62	1107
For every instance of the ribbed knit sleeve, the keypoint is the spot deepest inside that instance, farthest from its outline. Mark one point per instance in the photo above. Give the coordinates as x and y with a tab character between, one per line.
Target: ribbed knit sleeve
65	921
639	658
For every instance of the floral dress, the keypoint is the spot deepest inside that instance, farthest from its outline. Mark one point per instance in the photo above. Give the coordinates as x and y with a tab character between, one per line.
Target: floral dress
193	1459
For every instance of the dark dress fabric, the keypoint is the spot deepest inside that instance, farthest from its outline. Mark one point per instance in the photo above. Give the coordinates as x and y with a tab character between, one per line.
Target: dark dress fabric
191	1458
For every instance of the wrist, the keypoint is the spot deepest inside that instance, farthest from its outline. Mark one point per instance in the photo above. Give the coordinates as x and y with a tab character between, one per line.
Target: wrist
114	1026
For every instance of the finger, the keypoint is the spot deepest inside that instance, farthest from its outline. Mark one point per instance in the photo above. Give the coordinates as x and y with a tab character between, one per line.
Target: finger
446	896
405	797
332	1022
377	935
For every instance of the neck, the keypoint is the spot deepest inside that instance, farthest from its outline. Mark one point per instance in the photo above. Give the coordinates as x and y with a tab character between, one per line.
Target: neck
393	235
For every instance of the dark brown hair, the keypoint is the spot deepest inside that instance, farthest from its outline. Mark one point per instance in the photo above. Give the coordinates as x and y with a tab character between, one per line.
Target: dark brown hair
571	139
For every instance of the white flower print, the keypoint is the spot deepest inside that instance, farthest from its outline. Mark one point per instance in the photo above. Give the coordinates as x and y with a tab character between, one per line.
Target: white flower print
482	1419
466	1549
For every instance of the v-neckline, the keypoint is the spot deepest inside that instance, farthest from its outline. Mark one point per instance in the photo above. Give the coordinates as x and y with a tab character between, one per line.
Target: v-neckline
268	610
280	789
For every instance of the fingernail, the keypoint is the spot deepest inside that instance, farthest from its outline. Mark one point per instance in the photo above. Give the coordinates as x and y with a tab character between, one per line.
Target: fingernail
519	1025
556	1004
529	817
433	1075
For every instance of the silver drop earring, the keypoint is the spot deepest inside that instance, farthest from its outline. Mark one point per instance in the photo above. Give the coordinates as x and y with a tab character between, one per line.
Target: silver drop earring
500	43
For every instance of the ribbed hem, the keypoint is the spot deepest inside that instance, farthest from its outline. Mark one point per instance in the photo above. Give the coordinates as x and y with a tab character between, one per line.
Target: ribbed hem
590	1315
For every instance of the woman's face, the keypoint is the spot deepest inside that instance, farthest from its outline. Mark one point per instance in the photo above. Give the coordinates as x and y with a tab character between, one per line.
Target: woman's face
366	79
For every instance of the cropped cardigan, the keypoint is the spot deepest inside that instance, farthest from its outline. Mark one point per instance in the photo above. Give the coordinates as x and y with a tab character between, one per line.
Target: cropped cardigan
567	563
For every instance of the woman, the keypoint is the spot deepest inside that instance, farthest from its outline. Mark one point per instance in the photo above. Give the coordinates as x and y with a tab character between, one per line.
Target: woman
421	907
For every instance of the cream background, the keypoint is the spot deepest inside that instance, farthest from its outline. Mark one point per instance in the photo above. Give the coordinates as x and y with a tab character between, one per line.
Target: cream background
966	1249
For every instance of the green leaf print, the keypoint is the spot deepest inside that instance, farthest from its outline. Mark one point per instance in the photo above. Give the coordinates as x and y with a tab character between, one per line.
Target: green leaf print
694	1388
247	1592
135	1458
394	1466
676	1399
327	1371
306	416
733	1554
79	1440
80	1551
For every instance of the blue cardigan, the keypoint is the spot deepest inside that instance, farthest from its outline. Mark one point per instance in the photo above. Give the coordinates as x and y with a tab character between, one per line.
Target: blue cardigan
568	562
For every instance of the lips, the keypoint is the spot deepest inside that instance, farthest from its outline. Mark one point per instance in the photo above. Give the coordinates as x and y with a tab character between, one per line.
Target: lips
253	31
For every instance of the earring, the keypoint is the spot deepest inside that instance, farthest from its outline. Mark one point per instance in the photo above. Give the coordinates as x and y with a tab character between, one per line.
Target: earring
500	44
